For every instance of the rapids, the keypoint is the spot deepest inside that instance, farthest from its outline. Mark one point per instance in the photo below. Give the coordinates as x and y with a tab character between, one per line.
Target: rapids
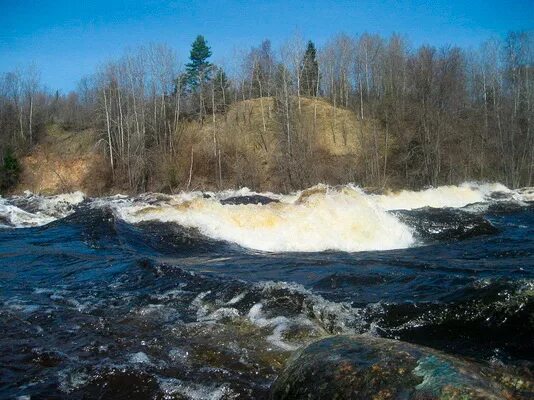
206	295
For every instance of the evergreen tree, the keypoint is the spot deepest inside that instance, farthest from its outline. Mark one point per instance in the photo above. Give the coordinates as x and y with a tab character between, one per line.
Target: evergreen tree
9	171
310	71
198	70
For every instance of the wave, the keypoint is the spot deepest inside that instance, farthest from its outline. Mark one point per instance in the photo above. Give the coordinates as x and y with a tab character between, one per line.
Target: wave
343	218
333	220
445	196
31	210
320	218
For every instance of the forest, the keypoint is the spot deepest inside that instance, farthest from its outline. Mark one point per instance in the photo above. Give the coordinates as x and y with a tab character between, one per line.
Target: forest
422	115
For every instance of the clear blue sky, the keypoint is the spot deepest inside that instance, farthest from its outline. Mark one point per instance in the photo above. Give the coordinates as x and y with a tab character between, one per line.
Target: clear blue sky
68	39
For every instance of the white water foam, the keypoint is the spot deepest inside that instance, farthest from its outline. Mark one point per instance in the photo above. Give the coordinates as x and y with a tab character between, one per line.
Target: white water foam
323	220
320	218
12	216
45	209
279	324
441	197
331	317
317	219
173	387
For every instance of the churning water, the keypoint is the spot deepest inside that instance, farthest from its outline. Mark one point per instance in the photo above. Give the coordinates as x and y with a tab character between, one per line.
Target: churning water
206	295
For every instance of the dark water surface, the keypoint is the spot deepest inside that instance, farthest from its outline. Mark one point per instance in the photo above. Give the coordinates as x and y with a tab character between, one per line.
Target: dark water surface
94	307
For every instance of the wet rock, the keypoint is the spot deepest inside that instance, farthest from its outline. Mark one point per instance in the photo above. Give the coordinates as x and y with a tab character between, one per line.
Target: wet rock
437	224
253	199
46	358
111	383
359	367
5	221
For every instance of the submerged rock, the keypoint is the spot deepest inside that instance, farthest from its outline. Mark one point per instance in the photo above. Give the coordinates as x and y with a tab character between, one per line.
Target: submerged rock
438	224
360	367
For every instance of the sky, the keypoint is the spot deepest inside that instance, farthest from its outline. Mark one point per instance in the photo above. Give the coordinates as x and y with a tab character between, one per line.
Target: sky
69	39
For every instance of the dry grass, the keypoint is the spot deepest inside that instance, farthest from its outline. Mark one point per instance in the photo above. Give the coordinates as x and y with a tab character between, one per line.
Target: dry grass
250	138
334	130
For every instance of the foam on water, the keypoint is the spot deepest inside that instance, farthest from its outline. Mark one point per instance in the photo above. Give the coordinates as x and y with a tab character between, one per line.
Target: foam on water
441	197
280	324
317	219
332	317
13	216
346	220
172	387
44	209
139	358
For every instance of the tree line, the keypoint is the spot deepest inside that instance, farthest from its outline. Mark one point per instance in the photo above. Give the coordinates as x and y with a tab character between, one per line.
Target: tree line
432	115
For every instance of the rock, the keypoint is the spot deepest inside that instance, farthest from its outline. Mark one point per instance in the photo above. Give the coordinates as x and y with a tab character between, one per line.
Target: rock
361	367
252	199
438	224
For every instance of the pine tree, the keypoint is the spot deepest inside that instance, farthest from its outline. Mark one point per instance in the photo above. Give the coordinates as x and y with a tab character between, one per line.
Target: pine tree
310	71
198	70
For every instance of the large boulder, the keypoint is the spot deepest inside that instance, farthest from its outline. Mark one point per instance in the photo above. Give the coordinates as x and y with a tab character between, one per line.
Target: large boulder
361	367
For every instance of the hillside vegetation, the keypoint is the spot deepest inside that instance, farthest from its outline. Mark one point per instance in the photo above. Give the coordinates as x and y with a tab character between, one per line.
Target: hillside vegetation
334	137
365	109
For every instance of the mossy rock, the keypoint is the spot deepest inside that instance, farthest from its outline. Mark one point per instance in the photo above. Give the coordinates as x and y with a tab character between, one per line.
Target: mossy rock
361	367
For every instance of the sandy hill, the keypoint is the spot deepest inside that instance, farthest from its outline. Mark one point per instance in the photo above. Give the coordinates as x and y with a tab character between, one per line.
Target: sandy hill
335	130
62	162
